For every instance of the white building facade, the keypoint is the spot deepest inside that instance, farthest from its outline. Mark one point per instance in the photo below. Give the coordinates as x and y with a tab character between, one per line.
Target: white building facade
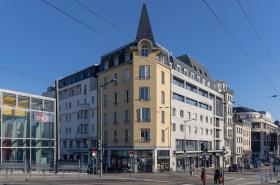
196	116
263	132
78	114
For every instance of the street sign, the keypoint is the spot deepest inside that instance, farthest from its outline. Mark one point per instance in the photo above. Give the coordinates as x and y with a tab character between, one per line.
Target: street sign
130	152
93	152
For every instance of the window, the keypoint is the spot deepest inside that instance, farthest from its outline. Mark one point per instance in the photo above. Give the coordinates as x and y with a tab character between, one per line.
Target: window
181	113
105	118
201	118
78	103
115	117
192	76
9	100
126	75
178	68
203	81
127	57
126	116
191	101
144	93
206	119
191	87
162	117
106	65
105	100
178	97
23	102
162	135
85	89
92	100
195	130
36	104
162	77
189	115
144	72
162	97
126	135
144	115
181	127
185	72
174	111
198	78
115	136
178	81
116	61
145	50
126	96
105	136
116	79
195	116
174	126
116	98
105	83
69	105
145	135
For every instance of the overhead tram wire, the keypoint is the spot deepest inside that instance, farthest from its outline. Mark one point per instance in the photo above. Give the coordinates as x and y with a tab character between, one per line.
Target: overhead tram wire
258	36
95	14
258	98
81	22
21	73
241	48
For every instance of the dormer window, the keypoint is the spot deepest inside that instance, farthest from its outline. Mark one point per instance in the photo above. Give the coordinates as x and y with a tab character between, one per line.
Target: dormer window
116	61
127	57
145	50
106	65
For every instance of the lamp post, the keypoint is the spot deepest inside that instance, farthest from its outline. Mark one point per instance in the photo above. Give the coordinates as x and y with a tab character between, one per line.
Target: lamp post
184	145
100	142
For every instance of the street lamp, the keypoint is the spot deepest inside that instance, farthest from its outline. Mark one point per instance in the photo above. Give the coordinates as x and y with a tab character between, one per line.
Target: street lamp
100	143
185	156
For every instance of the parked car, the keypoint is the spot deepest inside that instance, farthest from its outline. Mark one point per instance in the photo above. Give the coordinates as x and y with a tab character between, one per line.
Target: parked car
267	163
235	168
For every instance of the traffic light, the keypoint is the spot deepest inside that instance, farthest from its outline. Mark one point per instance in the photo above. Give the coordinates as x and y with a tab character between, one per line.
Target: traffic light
202	147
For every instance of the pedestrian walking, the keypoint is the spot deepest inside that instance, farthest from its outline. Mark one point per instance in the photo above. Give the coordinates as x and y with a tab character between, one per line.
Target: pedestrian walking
216	176
203	176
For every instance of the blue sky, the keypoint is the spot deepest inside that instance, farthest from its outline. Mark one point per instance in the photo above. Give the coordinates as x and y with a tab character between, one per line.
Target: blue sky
38	40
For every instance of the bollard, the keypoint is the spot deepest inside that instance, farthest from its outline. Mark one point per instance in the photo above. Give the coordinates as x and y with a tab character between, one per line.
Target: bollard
6	173
44	173
62	176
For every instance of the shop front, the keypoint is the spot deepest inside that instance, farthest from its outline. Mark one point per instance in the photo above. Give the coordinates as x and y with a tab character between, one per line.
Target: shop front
163	160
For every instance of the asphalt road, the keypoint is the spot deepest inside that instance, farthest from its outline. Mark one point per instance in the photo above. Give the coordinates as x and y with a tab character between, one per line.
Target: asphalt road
250	177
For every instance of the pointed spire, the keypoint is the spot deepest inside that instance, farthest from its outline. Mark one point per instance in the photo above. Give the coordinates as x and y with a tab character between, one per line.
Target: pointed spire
144	28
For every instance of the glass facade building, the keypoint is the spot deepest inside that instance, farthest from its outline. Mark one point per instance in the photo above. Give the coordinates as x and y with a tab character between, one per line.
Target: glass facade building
28	128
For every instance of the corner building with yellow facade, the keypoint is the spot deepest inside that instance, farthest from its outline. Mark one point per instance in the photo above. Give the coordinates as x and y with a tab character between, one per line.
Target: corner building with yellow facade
135	95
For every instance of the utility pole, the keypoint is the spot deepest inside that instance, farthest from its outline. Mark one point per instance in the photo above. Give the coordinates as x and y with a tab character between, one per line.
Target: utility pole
184	147
100	143
204	150
57	134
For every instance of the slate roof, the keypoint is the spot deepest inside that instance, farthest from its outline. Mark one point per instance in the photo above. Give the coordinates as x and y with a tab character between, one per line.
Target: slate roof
144	27
242	109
